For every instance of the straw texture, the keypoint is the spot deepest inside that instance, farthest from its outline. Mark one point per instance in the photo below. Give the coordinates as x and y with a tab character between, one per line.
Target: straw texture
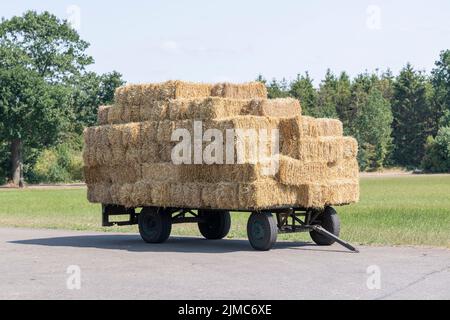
128	156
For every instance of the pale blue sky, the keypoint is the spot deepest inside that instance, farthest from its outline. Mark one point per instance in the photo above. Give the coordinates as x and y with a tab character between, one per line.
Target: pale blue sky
201	40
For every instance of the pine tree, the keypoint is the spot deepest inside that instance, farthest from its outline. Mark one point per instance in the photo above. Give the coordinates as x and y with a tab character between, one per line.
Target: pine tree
303	90
327	97
411	110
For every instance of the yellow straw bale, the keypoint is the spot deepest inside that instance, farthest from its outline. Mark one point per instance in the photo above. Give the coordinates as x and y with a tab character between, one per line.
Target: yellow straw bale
102	114
250	90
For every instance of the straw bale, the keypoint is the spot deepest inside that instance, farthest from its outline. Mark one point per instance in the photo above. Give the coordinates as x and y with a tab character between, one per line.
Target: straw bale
220	173
125	194
199	109
324	149
275	108
350	147
337	192
114	115
290	135
146	94
187	195
102	114
322	127
250	90
154	111
329	128
161	172
296	173
100	193
160	194
220	195
265	194
150	153
141	195
99	174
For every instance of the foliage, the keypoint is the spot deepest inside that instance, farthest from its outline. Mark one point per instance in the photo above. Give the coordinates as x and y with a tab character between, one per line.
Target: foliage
46	94
62	163
303	90
437	152
412	114
372	127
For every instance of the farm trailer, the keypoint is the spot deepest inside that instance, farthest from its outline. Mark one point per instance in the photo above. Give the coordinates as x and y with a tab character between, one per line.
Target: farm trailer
155	223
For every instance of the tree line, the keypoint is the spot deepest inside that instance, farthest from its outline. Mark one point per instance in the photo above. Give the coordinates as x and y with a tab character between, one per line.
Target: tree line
48	96
401	120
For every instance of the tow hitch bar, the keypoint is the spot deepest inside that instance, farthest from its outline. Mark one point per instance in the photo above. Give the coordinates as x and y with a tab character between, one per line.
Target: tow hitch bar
325	233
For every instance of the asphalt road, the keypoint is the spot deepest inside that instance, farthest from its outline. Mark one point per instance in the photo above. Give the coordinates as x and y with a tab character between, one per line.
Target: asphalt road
34	265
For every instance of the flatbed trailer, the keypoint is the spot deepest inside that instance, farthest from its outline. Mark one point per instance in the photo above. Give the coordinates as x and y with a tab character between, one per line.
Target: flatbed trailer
264	225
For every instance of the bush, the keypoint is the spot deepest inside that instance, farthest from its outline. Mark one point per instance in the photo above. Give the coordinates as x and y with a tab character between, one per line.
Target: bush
437	152
61	164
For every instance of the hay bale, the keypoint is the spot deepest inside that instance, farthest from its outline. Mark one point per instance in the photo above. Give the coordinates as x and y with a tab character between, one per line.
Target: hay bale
220	173
280	108
154	111
249	90
313	127
128	157
115	115
323	149
147	94
267	194
187	195
161	172
199	109
290	134
99	193
220	195
329	128
102	114
141	195
338	192
296	172
350	146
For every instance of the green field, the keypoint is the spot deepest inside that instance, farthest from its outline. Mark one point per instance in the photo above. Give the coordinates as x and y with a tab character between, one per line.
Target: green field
410	210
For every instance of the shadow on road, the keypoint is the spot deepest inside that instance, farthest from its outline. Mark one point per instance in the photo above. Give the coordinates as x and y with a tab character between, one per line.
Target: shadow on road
134	243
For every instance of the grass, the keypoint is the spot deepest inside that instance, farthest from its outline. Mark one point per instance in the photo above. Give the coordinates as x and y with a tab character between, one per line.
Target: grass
411	210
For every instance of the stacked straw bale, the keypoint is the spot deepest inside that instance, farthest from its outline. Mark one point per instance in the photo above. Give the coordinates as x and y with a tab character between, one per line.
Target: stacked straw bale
128	156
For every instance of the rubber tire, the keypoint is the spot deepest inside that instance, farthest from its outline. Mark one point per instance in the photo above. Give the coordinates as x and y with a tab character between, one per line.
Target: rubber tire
329	220
265	236
217	224
155	225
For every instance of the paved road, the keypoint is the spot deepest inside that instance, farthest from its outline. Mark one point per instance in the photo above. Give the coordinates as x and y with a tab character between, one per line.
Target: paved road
120	266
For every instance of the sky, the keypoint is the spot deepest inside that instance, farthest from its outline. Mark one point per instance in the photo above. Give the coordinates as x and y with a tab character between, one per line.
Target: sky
215	41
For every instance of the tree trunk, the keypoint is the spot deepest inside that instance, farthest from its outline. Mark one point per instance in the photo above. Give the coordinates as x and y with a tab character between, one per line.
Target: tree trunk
16	162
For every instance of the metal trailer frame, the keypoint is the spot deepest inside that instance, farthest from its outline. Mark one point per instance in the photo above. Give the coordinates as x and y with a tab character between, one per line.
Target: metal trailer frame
288	219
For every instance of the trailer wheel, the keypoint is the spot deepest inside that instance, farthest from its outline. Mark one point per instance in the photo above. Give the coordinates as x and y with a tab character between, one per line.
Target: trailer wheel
262	231
217	224
330	221
155	225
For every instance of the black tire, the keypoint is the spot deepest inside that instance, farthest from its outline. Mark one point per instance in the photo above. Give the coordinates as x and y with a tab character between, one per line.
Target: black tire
155	225
329	220
262	231
217	224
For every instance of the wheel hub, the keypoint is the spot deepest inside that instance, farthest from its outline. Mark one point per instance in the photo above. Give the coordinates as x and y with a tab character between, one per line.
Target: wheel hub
258	230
